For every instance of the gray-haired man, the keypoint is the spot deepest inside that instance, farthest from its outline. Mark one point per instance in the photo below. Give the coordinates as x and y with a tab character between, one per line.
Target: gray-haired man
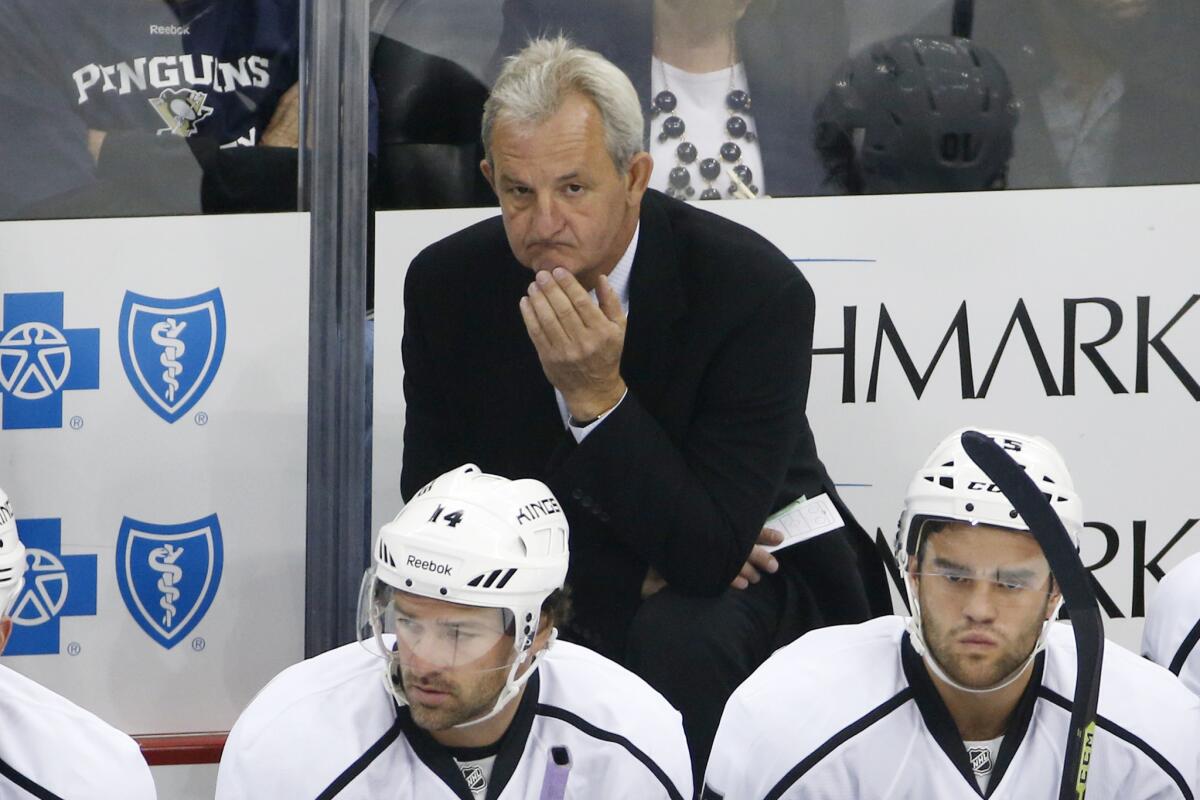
650	362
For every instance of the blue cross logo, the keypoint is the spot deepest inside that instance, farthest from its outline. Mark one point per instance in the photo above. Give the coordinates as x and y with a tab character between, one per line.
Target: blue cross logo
40	359
56	586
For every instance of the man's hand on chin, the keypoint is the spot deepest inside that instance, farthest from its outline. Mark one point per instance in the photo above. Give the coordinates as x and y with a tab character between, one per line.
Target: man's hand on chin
578	342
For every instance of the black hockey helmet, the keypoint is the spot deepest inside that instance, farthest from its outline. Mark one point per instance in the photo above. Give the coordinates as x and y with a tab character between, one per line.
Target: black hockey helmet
917	114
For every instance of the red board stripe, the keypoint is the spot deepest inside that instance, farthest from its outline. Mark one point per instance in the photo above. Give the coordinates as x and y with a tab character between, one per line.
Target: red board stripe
182	748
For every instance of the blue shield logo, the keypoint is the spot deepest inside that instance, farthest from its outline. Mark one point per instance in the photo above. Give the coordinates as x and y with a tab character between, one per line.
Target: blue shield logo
169	574
171	349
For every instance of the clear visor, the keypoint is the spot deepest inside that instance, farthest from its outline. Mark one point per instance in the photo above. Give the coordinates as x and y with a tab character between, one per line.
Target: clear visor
421	633
963	564
8	602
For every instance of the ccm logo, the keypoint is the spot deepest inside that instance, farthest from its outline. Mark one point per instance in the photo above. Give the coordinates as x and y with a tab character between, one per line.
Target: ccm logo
429	566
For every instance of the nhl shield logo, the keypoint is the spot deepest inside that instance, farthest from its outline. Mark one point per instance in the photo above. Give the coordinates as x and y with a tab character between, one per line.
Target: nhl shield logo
981	760
171	349
169	574
475	777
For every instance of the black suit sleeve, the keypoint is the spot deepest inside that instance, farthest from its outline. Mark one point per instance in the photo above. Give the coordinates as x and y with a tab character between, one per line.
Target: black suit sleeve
431	442
693	509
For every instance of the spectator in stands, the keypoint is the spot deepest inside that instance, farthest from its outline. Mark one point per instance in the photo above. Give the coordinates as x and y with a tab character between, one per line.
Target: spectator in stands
730	84
429	64
149	107
1109	89
917	114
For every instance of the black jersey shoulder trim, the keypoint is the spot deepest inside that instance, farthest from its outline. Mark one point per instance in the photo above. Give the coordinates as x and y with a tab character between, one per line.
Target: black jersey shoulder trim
38	791
1185	649
362	762
595	732
1106	724
837	740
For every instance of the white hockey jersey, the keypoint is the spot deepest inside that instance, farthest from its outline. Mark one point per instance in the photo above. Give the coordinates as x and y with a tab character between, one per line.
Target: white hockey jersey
328	727
1172	633
850	712
52	748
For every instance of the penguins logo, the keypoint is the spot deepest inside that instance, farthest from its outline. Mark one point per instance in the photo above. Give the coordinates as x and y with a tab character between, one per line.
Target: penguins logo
181	110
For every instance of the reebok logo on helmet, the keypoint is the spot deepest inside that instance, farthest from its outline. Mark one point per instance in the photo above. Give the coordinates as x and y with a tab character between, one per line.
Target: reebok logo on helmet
429	565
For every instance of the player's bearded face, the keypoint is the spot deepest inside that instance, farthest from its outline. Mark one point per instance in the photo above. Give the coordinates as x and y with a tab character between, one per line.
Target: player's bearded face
454	661
984	594
469	694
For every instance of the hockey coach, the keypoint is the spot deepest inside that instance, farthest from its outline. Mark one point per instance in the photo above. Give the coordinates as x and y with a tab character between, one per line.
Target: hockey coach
971	695
649	361
457	689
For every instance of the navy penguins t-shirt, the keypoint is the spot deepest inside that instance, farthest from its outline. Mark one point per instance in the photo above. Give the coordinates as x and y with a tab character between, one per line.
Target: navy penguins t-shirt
187	68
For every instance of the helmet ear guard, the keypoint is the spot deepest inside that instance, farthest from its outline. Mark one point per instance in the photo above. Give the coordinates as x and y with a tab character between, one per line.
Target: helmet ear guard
471	539
951	488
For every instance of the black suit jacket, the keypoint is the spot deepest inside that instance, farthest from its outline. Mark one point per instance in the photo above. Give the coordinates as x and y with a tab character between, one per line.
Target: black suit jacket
790	49
710	439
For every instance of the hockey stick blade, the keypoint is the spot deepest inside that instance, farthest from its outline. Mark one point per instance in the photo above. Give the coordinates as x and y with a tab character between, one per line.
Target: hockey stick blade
1076	587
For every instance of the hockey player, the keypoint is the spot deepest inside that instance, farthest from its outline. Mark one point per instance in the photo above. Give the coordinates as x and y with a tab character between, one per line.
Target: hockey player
461	690
1172	633
969	696
50	747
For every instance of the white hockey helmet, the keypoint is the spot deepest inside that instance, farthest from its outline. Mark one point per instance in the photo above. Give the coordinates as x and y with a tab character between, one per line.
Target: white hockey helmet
950	487
472	539
12	557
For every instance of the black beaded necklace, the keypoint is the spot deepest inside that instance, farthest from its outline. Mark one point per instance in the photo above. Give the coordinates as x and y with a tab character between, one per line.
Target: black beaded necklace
737	102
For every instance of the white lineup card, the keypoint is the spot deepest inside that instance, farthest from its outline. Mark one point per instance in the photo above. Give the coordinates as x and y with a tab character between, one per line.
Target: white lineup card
803	519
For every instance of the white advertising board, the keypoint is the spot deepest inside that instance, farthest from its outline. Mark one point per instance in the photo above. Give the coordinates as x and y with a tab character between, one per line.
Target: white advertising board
1072	314
153	393
399	236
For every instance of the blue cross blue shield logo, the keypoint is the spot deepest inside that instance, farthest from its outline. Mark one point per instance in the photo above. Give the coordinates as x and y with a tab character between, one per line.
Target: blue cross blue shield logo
169	574
172	348
40	358
56	586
